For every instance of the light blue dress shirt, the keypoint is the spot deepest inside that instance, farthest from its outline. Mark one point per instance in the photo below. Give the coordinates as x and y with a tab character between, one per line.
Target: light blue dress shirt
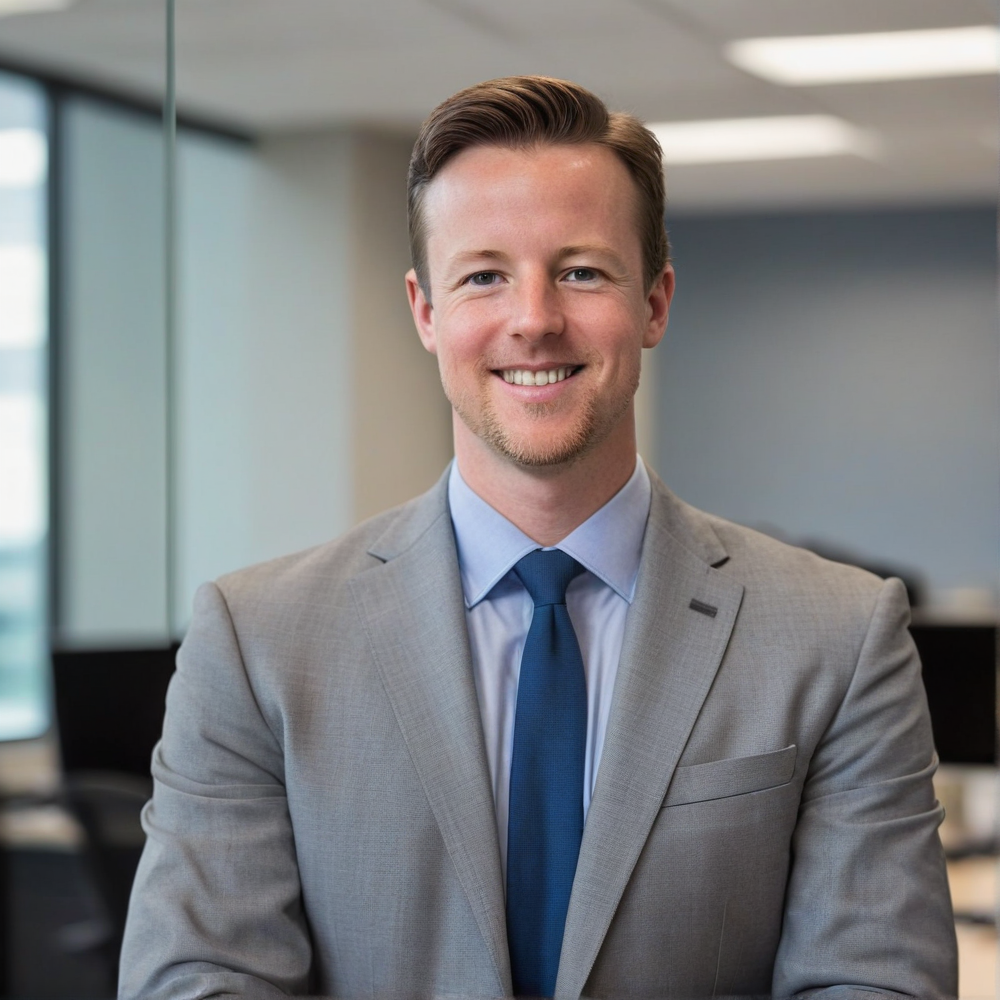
498	613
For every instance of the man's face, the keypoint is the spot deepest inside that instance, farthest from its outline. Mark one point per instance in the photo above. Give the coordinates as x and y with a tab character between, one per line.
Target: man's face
537	312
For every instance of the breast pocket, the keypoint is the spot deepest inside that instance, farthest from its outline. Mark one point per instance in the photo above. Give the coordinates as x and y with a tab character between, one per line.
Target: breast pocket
719	779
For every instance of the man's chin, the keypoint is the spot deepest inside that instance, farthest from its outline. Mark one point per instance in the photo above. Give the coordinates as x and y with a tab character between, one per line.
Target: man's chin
535	451
546	442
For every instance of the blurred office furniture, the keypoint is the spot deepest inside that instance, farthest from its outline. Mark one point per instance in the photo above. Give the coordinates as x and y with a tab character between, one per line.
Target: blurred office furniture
54	911
109	711
960	675
109	707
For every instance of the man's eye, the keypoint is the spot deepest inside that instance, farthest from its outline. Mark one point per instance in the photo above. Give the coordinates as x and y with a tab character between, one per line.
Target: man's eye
483	278
581	274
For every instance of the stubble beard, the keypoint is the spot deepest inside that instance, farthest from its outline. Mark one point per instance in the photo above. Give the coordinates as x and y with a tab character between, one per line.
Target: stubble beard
593	425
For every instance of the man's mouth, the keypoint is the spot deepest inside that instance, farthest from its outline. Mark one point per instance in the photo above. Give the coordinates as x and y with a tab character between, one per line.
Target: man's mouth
544	376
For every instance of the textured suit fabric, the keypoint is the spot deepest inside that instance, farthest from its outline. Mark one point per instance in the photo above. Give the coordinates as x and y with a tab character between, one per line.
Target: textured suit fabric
763	821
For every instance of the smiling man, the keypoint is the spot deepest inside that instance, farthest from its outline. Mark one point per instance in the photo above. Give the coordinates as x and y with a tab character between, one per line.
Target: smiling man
545	730
534	296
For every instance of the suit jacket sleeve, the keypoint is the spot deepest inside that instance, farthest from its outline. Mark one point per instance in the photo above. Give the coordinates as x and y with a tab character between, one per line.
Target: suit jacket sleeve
216	907
867	908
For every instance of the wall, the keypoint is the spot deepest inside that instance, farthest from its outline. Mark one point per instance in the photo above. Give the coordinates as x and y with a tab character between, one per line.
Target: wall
835	377
265	368
402	421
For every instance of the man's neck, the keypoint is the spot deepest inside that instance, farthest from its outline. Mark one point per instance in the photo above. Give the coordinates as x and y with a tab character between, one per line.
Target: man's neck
547	502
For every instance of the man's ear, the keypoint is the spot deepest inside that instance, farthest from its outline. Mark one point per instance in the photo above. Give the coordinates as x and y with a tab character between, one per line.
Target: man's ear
658	307
423	312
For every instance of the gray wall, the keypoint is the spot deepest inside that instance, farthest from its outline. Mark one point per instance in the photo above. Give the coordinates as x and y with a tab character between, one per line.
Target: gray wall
835	377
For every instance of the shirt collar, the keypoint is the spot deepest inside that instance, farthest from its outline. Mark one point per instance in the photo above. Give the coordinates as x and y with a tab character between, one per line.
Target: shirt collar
608	543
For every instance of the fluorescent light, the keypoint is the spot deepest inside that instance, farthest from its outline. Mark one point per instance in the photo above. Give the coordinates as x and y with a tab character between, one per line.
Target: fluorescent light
886	55
22	157
729	140
10	7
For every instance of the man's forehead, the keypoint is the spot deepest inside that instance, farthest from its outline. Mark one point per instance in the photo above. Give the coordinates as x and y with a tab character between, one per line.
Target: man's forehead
486	187
485	165
513	158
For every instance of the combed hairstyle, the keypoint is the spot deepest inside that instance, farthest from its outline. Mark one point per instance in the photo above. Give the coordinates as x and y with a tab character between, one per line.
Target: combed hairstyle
518	112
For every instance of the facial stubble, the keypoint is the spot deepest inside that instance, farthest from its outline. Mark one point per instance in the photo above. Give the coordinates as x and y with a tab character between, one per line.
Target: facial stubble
594	424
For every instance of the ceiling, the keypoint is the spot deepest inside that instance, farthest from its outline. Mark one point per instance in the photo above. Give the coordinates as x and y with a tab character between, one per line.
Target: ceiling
268	65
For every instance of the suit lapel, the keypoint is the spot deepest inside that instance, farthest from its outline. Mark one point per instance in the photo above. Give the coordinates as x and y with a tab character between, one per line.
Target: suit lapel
414	613
670	655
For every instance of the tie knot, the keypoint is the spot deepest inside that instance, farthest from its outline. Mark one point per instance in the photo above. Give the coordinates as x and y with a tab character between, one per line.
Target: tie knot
546	575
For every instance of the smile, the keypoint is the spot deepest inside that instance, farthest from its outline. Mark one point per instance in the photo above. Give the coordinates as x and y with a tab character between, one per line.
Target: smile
522	376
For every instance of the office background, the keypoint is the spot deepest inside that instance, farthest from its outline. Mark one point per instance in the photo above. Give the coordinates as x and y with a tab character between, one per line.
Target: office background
830	374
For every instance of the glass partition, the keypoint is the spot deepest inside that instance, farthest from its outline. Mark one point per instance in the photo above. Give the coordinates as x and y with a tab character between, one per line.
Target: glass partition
112	414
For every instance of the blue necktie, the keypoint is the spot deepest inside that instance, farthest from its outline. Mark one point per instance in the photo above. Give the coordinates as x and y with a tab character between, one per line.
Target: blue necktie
545	823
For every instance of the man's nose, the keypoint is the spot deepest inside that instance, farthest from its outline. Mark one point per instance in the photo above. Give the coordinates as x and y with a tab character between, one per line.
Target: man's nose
538	312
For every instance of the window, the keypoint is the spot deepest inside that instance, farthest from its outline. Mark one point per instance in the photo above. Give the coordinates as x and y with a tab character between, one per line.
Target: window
24	667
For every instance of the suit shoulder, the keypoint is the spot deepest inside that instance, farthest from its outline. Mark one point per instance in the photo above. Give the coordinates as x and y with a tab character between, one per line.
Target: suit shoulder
794	599
764	562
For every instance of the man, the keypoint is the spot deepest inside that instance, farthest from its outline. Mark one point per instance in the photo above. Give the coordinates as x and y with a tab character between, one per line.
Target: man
545	730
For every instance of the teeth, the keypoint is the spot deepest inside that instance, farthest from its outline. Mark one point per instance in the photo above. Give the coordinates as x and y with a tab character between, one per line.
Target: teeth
521	376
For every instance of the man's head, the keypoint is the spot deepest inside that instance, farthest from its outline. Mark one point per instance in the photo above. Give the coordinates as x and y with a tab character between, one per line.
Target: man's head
544	273
518	112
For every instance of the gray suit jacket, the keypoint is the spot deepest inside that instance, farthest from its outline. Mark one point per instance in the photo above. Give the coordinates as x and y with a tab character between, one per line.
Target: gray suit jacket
763	820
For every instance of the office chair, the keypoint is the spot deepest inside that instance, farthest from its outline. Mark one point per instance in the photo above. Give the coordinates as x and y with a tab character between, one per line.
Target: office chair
109	713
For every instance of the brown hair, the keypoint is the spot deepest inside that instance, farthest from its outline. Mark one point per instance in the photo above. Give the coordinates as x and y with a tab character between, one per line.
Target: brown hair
522	111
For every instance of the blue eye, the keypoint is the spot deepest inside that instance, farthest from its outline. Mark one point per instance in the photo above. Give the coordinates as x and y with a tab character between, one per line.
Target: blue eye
582	274
483	278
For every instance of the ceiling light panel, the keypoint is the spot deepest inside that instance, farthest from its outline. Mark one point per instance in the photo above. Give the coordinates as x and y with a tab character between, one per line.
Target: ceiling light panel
734	140
810	60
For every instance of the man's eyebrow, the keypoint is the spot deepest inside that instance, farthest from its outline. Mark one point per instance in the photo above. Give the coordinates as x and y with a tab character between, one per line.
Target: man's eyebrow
593	248
472	256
